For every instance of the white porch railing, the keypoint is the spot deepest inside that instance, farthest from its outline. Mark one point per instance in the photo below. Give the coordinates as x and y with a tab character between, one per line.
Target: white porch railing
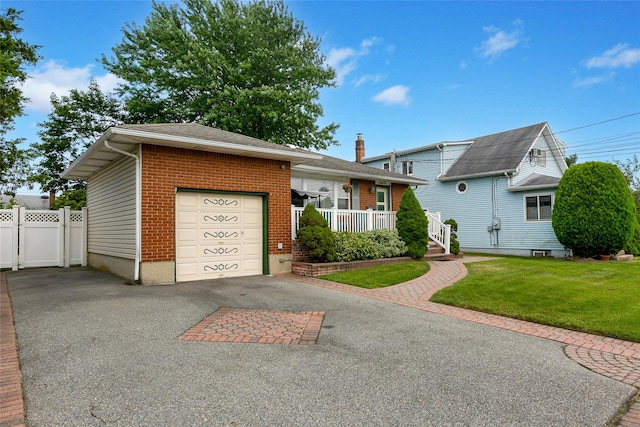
354	221
357	221
439	232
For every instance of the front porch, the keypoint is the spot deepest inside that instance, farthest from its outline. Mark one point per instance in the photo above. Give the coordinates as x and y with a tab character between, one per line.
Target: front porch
358	221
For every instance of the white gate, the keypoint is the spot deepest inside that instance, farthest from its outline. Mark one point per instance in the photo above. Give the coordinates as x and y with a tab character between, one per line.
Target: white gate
42	238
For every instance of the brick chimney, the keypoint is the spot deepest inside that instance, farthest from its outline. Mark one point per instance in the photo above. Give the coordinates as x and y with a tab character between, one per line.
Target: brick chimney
359	148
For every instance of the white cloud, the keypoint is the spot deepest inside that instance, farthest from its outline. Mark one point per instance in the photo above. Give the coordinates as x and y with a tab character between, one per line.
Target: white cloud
368	78
345	60
620	55
590	81
500	40
395	95
54	77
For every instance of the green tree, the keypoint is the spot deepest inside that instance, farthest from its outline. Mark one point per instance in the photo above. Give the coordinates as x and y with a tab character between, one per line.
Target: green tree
454	245
15	56
594	211
76	199
76	121
412	224
245	67
631	171
571	159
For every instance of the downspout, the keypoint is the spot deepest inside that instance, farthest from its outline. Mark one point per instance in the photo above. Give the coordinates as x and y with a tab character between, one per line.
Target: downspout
439	146
136	267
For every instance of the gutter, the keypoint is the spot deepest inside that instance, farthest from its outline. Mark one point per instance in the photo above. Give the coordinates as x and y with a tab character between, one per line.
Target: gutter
136	267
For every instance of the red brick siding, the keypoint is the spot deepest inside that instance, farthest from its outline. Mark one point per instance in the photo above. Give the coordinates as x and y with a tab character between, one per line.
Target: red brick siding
366	198
396	195
164	169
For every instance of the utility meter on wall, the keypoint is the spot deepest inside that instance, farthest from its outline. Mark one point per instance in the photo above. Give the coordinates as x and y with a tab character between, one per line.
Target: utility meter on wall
496	223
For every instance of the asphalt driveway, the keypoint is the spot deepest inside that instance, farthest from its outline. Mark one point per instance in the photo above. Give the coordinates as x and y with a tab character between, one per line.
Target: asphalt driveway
95	352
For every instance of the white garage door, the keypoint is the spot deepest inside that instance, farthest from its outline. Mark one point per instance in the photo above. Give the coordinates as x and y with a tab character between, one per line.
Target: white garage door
217	235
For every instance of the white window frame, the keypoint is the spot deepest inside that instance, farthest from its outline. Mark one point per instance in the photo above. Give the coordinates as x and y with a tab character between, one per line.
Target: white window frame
466	187
537	196
407	167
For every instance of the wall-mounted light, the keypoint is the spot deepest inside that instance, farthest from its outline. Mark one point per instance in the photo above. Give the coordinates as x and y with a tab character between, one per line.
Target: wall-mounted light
283	166
372	189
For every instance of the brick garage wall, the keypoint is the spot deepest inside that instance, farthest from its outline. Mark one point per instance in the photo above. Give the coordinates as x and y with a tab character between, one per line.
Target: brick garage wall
164	169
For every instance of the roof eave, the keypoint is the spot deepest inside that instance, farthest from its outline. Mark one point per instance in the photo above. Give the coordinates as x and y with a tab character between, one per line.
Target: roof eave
478	175
532	187
372	177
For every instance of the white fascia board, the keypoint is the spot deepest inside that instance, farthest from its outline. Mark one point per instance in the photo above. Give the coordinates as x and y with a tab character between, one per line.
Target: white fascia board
478	175
368	177
532	187
226	146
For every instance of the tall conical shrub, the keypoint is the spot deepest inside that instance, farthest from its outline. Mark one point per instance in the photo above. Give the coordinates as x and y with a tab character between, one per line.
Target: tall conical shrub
412	225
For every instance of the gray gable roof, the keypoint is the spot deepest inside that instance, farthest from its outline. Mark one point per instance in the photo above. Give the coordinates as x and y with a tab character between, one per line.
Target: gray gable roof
335	165
495	154
203	138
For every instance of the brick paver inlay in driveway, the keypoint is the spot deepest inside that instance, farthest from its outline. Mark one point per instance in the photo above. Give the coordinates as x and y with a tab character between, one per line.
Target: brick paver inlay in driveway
258	326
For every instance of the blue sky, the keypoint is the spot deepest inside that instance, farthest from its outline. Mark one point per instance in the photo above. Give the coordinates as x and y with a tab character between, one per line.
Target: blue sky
410	73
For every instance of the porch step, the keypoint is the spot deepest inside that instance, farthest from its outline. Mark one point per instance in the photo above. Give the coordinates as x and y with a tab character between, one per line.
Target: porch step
442	257
434	248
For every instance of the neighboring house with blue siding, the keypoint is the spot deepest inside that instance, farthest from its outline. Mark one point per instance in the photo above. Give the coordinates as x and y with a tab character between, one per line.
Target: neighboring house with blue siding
500	188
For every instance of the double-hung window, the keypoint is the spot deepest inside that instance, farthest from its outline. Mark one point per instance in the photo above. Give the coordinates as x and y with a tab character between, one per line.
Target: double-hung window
407	167
538	207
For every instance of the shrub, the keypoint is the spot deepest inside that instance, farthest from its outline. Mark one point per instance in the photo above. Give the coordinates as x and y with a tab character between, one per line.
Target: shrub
454	245
315	236
310	216
594	210
355	246
388	242
412	225
633	247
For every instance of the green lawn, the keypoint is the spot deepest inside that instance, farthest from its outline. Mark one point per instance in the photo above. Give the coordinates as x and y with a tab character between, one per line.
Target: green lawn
591	296
380	276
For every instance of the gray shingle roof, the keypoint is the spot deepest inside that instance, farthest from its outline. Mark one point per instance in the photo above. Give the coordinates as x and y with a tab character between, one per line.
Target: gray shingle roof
495	154
536	182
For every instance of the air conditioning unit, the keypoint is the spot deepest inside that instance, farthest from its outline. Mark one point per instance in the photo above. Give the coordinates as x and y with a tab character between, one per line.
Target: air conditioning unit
536	152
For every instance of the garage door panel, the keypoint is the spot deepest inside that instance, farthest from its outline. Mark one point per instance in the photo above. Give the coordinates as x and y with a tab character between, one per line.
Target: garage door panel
208	235
221	236
218	202
219	219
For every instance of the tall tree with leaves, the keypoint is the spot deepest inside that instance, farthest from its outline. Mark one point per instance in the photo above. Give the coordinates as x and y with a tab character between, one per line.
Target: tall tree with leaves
15	56
75	122
250	68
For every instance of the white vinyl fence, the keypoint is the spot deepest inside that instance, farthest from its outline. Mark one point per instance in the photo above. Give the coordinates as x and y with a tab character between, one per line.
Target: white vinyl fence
42	238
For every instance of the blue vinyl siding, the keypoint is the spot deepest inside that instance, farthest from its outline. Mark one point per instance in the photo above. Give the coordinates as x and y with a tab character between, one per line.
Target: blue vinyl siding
474	210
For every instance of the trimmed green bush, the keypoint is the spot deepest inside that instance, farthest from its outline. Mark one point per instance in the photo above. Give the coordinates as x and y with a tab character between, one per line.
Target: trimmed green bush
412	225
454	245
633	247
315	236
388	242
355	246
310	216
594	211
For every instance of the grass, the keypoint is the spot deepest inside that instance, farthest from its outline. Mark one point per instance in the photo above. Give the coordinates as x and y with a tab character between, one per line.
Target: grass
380	276
590	296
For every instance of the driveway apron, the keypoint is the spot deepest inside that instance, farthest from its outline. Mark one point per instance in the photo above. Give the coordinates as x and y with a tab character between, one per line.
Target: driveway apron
95	351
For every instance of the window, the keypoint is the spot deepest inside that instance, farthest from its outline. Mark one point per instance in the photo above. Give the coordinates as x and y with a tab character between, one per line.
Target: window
538	208
461	187
386	166
407	167
538	157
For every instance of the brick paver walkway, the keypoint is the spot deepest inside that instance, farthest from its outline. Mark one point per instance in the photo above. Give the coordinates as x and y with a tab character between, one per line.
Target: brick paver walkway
11	399
614	358
258	326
